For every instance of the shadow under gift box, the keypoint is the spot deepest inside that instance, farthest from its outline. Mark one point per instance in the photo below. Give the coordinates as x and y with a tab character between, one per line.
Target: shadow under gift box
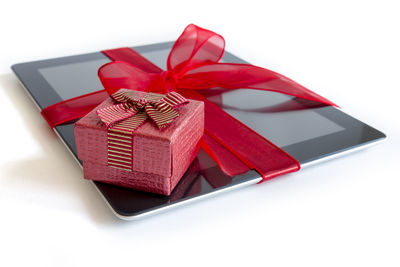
160	157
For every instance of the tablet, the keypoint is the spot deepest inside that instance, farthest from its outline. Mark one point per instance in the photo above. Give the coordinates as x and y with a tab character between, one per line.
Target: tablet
308	131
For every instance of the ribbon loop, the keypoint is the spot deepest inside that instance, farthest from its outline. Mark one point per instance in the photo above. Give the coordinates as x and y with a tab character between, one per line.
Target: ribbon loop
195	47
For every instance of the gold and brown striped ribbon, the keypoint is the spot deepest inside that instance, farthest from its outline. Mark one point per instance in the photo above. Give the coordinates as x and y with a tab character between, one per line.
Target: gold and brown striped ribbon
130	112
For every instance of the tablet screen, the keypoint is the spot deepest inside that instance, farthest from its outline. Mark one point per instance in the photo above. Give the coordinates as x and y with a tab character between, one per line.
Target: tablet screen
254	108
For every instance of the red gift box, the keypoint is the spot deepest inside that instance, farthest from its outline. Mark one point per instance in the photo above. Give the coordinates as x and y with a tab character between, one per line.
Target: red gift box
159	157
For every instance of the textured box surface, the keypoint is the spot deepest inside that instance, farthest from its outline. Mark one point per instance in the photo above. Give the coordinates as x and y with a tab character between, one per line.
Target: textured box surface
160	157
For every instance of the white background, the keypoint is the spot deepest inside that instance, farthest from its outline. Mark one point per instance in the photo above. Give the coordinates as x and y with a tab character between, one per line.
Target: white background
341	213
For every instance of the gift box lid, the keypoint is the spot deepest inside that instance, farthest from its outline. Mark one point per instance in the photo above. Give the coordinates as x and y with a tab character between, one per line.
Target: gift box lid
155	151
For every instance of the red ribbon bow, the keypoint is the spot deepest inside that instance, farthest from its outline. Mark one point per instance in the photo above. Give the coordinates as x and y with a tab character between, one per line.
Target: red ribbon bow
193	65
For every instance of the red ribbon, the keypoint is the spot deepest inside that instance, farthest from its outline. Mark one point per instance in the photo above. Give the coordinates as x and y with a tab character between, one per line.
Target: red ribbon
192	65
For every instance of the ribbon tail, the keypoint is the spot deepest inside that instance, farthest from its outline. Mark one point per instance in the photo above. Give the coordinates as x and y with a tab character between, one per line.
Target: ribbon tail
252	149
227	162
72	109
244	76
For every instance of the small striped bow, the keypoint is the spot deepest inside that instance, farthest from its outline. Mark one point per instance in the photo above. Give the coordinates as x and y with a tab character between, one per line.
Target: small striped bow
134	110
128	115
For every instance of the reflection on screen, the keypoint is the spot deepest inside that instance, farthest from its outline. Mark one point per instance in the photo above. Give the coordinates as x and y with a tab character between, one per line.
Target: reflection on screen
281	126
71	80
